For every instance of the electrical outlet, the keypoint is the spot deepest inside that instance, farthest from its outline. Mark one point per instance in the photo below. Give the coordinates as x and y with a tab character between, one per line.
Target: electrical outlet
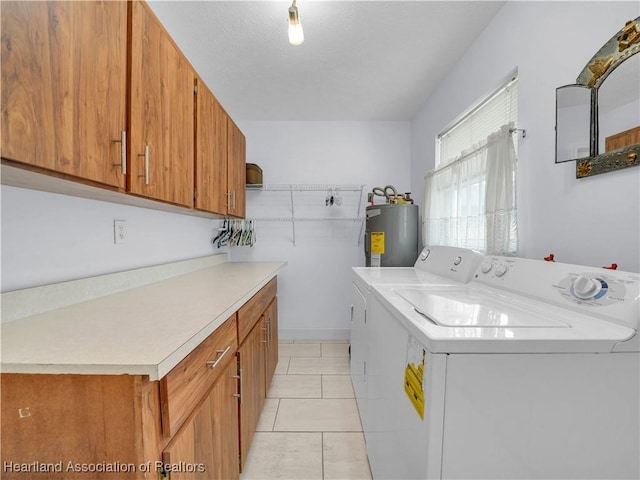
119	231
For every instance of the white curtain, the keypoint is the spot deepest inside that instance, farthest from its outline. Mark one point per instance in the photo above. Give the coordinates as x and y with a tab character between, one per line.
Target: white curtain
471	202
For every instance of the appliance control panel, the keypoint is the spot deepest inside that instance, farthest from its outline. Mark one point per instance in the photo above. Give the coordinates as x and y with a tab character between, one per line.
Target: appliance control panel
592	288
454	263
496	267
610	294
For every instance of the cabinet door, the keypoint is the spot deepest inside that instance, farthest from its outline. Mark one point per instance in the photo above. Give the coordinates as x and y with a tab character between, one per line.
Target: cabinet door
64	67
251	356
236	170
224	414
83	419
211	153
183	446
271	318
209	439
162	113
193	445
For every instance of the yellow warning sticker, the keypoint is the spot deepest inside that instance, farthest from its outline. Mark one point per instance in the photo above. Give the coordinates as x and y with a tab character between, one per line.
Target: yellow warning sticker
414	375
377	242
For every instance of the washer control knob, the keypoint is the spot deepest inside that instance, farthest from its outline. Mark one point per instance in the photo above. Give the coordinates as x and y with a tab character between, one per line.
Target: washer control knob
457	261
486	267
585	287
425	253
500	270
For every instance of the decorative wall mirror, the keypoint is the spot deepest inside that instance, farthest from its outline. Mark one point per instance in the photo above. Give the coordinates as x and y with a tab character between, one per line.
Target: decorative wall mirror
598	122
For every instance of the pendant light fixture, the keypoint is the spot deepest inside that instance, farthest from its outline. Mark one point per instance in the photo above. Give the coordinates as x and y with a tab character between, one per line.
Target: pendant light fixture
296	35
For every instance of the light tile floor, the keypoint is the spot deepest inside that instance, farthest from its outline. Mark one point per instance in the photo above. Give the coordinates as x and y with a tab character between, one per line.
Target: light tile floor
309	427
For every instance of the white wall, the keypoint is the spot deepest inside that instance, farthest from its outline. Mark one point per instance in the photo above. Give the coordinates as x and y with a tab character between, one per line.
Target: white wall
49	238
592	221
314	288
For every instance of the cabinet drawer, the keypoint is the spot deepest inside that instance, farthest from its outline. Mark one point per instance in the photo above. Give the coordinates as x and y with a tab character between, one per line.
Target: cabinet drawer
187	383
250	312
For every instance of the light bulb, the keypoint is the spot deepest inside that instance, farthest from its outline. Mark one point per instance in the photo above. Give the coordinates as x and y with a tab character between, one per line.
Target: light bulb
296	35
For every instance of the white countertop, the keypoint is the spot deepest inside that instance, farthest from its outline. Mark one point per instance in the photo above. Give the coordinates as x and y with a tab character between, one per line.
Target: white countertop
141	331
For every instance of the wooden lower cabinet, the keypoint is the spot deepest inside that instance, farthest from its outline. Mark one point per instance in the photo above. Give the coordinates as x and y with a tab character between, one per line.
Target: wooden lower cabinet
271	353
224	413
94	427
205	448
77	426
251	358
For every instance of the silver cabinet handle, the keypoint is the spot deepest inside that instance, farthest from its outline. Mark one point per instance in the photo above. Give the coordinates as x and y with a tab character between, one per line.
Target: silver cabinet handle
231	205
221	354
123	152
352	312
146	164
239	395
266	333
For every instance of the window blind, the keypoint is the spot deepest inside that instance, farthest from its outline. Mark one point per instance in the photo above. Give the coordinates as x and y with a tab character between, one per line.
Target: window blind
499	109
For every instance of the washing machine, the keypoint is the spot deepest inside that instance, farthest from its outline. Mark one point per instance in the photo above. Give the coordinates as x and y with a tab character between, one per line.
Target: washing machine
530	370
435	266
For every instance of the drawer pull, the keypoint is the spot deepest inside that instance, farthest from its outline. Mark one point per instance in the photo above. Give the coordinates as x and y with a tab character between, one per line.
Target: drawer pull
221	354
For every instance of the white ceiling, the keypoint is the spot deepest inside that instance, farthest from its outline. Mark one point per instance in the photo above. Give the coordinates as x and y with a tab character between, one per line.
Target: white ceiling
361	60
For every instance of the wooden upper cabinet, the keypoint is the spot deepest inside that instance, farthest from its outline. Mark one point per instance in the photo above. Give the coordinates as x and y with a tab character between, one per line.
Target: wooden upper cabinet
220	158
236	170
97	91
64	79
161	114
211	152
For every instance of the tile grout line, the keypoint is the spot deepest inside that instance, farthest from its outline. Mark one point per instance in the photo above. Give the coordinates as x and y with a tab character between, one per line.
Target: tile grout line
275	417
322	452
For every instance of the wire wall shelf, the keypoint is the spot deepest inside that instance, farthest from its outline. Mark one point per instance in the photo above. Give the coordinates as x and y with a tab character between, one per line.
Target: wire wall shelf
304	187
308	204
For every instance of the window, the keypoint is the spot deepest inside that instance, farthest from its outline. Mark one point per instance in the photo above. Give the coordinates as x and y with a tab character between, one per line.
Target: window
470	196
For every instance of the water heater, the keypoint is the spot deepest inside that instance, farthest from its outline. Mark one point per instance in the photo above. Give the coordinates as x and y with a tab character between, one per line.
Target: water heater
391	235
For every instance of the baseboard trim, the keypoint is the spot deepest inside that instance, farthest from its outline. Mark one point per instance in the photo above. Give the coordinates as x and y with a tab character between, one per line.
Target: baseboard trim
313	334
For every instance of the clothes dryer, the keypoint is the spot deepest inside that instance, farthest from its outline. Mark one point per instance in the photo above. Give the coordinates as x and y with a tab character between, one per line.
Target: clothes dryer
435	266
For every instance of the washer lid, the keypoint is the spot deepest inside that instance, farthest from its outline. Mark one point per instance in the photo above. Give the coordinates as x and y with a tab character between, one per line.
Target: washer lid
471	308
574	331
